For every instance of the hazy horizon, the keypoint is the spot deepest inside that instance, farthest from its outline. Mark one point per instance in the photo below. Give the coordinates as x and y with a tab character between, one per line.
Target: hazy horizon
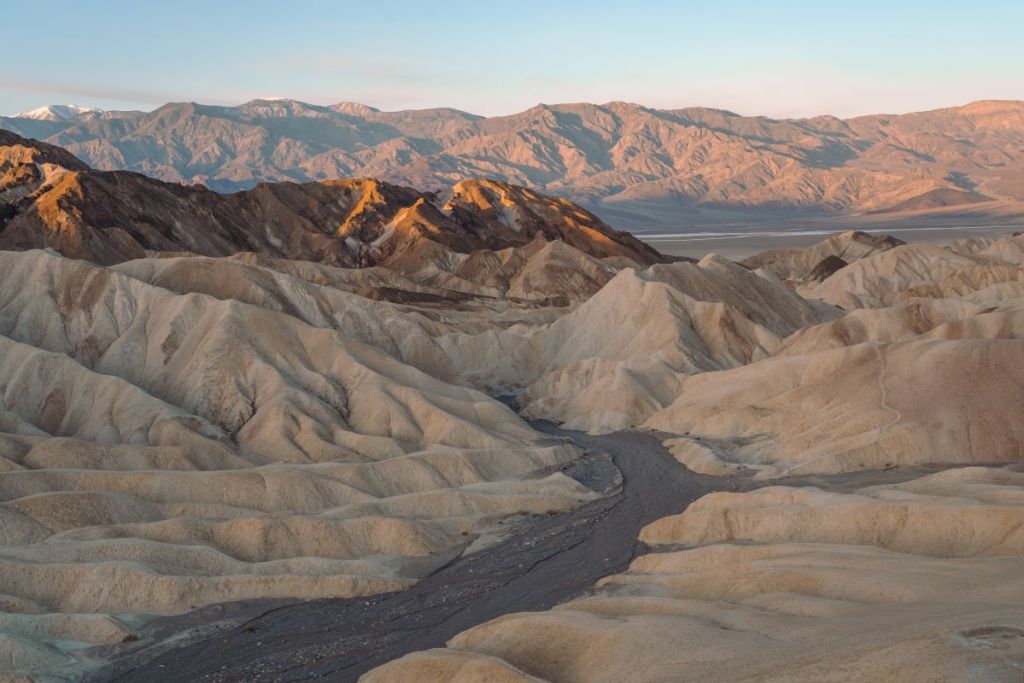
697	105
781	60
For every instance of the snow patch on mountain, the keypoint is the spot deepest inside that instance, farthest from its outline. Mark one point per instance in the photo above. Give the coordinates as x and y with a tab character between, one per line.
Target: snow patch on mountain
57	112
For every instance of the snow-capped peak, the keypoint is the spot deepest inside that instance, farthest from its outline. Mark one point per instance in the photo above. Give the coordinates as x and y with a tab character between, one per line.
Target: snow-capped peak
57	112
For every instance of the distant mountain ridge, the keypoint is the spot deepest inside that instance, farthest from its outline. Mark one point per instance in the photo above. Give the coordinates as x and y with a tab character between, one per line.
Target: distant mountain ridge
621	159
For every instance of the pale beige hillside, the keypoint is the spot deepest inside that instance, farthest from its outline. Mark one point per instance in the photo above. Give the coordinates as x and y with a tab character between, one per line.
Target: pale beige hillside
915	270
552	273
282	389
438	301
837	251
965	512
918	581
444	293
937	318
48	393
990	284
387	326
748	613
623	353
247	435
872	405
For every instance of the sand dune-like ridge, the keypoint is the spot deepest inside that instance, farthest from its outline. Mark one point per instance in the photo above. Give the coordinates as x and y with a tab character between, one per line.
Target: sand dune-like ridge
694	317
163	450
916	581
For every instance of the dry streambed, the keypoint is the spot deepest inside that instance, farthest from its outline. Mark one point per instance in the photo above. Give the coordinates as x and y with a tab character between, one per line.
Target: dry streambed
918	578
543	563
547	560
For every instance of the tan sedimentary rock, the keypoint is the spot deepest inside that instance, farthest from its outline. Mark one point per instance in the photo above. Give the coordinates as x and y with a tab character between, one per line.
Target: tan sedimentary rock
917	581
623	353
247	435
915	270
866	406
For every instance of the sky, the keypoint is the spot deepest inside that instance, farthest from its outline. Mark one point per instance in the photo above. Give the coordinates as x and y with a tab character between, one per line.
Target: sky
780	59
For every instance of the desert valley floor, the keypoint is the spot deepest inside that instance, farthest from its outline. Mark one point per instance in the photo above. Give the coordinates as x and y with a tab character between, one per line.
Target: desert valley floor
479	435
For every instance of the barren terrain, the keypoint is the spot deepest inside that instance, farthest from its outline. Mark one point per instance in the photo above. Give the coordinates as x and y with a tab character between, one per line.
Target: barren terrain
259	437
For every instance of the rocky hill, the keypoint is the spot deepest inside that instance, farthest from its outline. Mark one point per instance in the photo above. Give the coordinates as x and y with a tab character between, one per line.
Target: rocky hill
48	198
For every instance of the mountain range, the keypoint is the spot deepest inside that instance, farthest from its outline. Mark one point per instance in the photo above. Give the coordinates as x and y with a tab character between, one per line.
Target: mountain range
635	165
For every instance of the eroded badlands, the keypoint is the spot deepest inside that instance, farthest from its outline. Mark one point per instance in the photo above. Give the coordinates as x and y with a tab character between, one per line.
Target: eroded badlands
190	417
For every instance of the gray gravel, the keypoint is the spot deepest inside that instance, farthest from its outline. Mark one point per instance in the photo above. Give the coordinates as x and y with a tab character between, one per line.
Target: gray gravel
544	561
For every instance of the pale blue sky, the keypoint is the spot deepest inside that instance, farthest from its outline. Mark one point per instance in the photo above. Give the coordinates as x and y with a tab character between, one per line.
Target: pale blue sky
777	58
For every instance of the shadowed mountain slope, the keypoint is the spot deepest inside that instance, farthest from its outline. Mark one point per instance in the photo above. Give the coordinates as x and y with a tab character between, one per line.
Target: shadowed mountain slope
48	198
